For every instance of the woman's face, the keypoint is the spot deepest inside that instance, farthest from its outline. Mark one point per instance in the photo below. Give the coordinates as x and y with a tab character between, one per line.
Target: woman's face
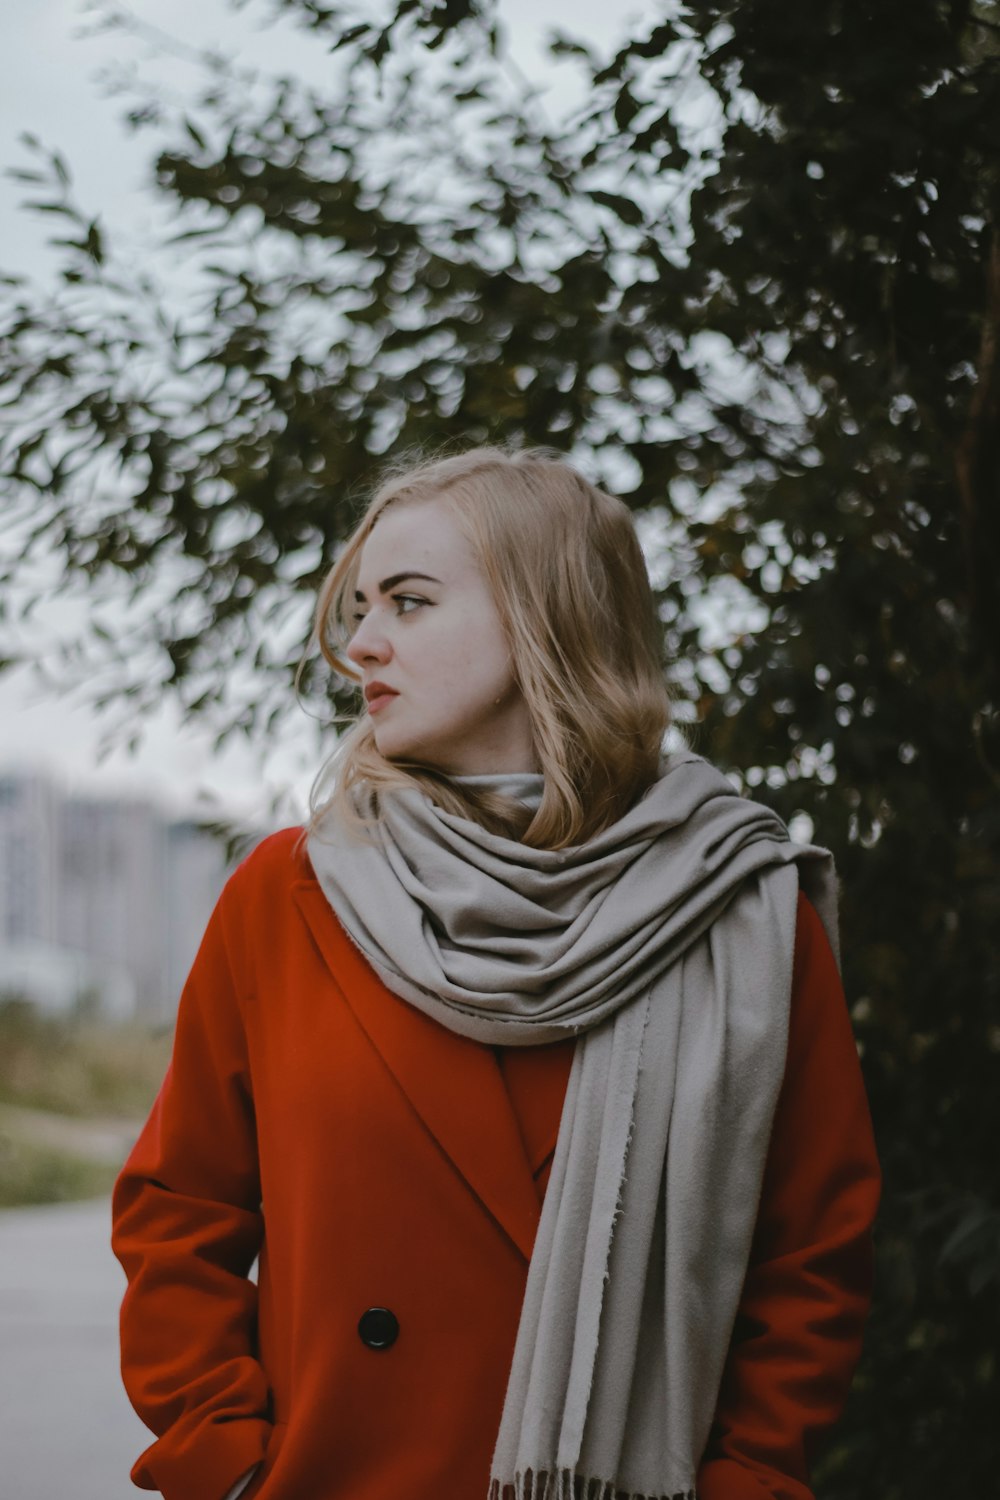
427	628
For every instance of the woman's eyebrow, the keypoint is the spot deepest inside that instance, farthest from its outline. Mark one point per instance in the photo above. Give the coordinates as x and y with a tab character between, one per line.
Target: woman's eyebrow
392	581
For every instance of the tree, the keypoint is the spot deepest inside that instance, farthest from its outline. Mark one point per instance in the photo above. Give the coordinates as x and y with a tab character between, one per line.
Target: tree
755	285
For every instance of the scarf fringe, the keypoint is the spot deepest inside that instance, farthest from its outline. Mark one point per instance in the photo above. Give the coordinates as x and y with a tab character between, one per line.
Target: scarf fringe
566	1484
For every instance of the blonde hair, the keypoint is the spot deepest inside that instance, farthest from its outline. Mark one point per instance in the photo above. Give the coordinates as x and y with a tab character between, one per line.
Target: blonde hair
569	580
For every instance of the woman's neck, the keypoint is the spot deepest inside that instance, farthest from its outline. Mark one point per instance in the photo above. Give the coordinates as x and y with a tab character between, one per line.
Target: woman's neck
524	786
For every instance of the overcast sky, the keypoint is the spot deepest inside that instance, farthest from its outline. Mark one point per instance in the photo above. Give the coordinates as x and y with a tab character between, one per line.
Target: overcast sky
52	87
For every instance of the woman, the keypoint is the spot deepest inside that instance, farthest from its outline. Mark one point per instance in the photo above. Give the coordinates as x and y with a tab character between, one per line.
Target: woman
526	1068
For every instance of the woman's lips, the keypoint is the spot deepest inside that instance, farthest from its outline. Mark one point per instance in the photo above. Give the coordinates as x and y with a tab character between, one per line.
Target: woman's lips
381	701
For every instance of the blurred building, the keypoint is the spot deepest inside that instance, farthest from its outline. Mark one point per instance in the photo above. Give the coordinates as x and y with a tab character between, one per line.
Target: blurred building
110	881
27	860
103	901
193	875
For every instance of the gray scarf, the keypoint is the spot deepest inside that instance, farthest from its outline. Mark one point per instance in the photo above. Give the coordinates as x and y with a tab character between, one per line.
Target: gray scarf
665	944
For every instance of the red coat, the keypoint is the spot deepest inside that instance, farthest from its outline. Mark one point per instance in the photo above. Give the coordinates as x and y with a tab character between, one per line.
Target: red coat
377	1160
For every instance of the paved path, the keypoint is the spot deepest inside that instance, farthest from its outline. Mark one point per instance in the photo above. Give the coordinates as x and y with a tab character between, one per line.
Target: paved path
67	1431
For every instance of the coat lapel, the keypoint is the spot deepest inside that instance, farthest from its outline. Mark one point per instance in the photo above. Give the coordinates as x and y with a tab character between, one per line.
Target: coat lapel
453	1083
536	1079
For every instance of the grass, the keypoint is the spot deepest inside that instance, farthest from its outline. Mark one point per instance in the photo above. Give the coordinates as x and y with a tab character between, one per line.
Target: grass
78	1066
31	1174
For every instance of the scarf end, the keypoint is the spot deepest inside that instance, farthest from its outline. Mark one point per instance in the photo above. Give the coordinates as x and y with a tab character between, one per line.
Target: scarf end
566	1484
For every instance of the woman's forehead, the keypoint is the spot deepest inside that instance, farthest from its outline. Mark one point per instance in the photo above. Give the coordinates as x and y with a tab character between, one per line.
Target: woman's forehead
413	536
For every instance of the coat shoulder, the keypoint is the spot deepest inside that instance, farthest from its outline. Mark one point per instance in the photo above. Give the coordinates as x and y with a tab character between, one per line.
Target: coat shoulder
277	861
813	953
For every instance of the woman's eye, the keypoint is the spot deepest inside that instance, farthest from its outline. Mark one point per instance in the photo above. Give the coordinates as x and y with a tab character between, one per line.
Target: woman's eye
399	600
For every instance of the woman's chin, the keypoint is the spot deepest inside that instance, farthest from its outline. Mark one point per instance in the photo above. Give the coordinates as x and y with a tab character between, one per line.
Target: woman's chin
395	746
410	750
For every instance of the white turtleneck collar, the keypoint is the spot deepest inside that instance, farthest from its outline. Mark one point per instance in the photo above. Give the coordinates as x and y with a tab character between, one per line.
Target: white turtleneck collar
524	786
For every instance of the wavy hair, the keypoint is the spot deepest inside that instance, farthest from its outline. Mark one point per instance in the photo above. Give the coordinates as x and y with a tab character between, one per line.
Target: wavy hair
570	584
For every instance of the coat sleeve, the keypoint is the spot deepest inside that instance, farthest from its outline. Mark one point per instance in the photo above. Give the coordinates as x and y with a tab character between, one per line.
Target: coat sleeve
186	1226
798	1331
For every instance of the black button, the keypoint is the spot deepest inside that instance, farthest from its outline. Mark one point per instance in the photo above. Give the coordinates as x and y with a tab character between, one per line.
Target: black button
378	1327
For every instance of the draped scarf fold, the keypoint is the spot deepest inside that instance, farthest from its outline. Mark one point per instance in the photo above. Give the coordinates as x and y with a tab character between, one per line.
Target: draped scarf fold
665	945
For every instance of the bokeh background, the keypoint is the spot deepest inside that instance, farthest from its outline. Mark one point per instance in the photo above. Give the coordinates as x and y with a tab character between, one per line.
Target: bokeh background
739	261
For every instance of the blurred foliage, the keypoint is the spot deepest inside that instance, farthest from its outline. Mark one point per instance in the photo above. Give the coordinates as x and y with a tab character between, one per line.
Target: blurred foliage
753	285
32	1174
60	1069
79	1067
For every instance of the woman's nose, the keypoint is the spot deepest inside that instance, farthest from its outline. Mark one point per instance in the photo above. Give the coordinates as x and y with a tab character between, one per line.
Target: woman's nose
368	643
